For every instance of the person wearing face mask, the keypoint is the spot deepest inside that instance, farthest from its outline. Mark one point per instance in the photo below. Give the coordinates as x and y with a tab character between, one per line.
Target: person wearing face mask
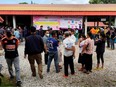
46	36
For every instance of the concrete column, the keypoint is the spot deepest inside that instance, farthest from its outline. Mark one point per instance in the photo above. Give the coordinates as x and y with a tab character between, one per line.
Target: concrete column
110	18
6	18
85	25
31	20
94	23
97	24
14	22
115	22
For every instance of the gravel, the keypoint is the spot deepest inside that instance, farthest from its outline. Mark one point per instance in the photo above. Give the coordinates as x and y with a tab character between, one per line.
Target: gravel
98	78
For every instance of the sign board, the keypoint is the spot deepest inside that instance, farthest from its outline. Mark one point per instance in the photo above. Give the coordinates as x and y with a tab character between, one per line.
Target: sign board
56	22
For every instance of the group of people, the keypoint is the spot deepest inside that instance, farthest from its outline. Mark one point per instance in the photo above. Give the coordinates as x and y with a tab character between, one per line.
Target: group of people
52	47
19	32
110	33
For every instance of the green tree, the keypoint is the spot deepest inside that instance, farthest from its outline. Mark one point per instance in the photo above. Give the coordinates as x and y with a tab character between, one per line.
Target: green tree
102	1
23	3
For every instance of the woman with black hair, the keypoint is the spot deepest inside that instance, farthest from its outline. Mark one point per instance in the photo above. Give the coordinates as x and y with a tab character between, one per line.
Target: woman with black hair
100	49
80	59
87	53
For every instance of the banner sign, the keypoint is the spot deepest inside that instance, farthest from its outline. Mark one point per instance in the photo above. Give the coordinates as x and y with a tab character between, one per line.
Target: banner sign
56	22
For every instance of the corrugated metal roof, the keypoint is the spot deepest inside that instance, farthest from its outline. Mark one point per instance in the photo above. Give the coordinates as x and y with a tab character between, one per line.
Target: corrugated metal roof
59	7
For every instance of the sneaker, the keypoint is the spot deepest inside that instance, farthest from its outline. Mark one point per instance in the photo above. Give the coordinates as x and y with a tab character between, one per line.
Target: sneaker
1	75
85	71
48	71
19	83
65	76
0	81
73	74
41	76
12	77
90	71
58	71
97	68
34	75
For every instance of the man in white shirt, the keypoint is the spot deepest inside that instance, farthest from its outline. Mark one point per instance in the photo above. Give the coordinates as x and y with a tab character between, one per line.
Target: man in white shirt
72	36
69	51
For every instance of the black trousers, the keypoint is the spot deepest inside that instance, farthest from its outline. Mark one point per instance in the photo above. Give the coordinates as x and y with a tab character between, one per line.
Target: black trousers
100	56
108	42
46	58
68	61
88	61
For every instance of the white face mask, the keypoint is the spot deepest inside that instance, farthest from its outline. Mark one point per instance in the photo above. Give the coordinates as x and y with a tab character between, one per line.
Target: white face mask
47	35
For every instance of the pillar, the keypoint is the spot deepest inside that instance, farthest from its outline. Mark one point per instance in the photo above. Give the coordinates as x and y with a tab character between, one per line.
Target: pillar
14	22
31	20
110	21
97	24
6	18
94	23
85	25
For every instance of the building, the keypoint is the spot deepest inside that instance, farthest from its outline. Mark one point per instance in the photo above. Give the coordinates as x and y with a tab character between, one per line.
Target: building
58	16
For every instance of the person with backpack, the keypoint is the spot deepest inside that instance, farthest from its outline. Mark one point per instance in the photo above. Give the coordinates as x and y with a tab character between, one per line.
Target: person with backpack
34	46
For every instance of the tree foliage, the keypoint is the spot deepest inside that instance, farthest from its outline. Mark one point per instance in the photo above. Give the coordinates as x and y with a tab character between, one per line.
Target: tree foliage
23	3
102	1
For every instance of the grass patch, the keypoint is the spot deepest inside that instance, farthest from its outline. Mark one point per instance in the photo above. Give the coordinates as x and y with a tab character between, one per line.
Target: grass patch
6	82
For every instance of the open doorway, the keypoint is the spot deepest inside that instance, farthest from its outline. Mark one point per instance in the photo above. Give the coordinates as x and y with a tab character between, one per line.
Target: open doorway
23	20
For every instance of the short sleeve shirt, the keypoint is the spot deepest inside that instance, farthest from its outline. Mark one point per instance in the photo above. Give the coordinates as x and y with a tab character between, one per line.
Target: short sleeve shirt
52	44
68	43
45	39
73	38
90	46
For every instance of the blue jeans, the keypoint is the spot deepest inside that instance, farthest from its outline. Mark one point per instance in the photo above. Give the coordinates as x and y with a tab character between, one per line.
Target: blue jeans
53	54
1	67
112	44
60	37
14	61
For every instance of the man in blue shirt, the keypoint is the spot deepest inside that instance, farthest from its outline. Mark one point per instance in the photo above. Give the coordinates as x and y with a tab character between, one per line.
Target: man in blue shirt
52	45
17	34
